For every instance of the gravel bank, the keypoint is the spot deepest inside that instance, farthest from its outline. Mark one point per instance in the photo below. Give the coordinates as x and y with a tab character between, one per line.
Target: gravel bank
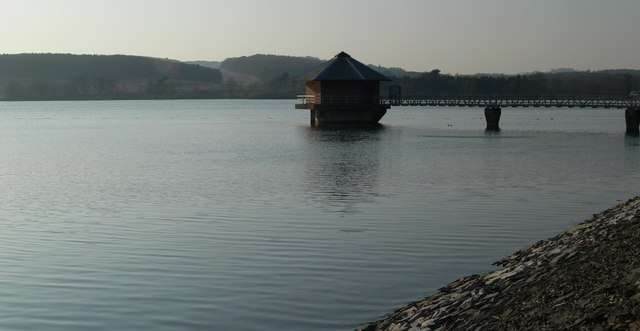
587	278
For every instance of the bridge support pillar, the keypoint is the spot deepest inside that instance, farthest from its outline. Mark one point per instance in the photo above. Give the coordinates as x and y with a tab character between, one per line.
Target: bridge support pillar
632	117
492	115
312	117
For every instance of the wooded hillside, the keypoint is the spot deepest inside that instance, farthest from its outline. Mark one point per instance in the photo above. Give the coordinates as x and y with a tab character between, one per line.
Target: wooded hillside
270	67
570	83
77	77
67	76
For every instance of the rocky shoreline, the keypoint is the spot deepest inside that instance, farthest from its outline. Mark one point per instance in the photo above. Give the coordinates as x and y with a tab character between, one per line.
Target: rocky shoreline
587	278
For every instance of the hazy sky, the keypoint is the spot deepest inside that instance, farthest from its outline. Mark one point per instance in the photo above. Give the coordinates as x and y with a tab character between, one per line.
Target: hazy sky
455	36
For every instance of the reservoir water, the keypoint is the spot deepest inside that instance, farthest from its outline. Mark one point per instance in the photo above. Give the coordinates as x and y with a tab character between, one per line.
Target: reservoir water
236	215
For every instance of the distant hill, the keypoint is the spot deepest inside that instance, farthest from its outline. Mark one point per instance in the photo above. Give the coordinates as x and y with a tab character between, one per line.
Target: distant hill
233	78
112	67
268	67
83	77
395	72
207	64
68	76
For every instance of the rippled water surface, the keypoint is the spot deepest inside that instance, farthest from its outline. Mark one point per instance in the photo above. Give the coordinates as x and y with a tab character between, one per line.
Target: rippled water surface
235	215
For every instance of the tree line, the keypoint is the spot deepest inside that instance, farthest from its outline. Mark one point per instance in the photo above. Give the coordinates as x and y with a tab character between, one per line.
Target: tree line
270	67
571	83
68	76
78	77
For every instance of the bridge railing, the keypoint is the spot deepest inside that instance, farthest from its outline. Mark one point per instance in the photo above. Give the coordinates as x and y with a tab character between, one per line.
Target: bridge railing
516	101
308	99
304	101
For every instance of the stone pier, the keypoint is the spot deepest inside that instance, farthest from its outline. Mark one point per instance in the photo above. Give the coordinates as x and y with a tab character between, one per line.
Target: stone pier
632	118
492	115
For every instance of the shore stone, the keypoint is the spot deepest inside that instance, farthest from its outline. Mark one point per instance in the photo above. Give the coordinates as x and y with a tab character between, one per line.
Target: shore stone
587	278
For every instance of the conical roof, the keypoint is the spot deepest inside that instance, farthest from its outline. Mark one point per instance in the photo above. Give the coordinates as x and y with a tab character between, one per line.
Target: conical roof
342	67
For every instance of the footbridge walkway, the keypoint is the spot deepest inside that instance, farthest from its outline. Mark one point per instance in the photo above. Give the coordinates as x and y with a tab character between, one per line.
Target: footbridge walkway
493	105
516	101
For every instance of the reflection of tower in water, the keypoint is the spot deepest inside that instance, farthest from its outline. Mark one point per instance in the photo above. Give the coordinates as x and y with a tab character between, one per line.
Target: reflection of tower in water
342	167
